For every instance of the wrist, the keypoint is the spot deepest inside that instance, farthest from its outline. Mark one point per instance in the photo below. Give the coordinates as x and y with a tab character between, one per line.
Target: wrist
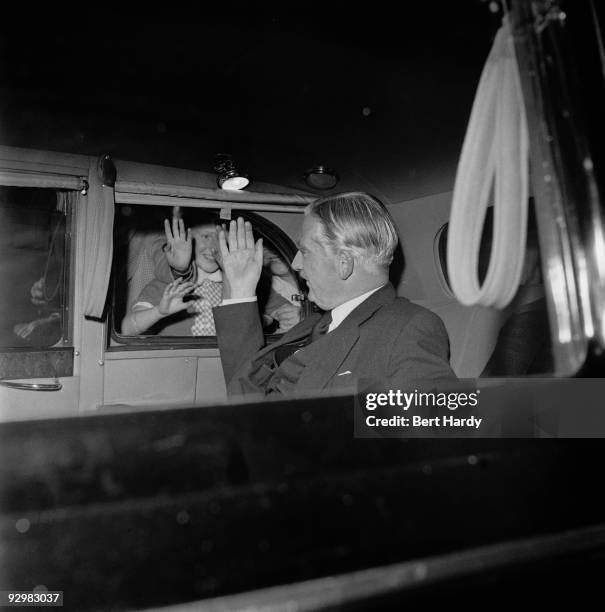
159	312
238	293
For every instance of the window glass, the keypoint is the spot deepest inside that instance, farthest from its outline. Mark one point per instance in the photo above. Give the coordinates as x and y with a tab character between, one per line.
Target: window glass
142	273
33	267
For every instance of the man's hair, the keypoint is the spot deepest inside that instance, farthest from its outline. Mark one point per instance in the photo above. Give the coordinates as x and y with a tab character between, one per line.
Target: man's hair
358	222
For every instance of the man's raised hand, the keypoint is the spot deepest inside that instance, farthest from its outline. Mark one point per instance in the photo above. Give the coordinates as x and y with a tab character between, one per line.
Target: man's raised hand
242	259
179	248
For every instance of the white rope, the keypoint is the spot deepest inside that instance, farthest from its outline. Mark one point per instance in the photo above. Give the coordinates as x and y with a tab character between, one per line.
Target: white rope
494	155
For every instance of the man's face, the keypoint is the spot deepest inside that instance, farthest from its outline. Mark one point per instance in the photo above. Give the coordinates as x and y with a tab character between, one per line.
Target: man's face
318	266
205	244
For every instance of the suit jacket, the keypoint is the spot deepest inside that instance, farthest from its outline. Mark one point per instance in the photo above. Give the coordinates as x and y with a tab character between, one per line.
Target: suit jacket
386	341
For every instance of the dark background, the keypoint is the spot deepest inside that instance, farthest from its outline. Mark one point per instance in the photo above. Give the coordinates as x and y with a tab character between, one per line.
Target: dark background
380	94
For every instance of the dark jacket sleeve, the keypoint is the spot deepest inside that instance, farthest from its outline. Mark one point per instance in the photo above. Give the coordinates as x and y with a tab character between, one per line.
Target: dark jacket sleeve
420	353
239	334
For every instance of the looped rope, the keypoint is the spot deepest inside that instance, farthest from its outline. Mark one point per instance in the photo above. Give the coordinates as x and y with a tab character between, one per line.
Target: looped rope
494	155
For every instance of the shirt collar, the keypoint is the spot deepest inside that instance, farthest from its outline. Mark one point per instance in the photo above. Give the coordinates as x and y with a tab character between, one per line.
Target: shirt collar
340	313
216	276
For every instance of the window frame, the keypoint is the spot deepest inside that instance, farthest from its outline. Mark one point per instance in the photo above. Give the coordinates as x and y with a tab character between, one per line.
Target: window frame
263	227
55	361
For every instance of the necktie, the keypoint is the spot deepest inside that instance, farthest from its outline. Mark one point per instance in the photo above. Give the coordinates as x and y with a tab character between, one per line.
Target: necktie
209	294
319	329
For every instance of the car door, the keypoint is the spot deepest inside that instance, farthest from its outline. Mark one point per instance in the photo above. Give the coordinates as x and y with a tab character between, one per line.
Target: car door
41	204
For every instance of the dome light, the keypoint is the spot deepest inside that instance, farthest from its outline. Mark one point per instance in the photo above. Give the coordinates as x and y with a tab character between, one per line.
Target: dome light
230	177
321	177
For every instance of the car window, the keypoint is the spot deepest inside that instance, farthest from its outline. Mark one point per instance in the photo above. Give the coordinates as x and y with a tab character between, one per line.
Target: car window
34	268
142	273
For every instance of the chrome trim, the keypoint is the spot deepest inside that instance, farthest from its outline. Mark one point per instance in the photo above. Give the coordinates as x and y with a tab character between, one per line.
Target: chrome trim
564	253
25	386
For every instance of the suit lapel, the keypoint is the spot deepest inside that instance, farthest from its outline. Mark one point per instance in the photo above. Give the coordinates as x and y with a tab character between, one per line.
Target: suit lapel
324	357
298	332
330	351
256	375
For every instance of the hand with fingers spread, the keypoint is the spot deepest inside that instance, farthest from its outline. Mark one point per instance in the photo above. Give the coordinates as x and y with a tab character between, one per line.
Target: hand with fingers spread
179	248
287	316
172	300
139	320
242	259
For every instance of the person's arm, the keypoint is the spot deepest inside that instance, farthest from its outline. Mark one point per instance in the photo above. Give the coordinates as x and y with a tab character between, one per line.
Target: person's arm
141	318
239	334
238	328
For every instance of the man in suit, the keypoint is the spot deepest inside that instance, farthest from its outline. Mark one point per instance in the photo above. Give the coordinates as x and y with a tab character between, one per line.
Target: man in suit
367	335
